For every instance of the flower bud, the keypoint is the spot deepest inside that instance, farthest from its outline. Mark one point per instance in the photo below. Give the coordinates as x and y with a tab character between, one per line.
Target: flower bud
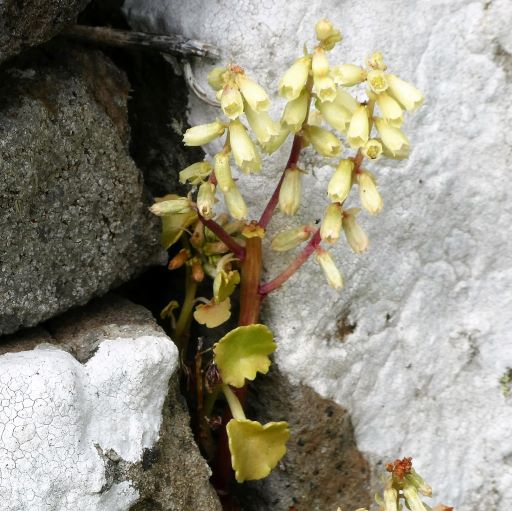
377	81
376	61
263	126
197	238
295	78
204	133
244	151
276	141
324	87
404	92
348	75
390	110
390	499
295	112
358	130
291	190
331	223
372	149
327	34
341	181
179	259
171	207
223	171
235	203
368	194
231	102
253	93
216	78
197	271
356	237
320	64
195	173
395	142
324	142
413	499
290	238
419	483
335	115
206	200
332	274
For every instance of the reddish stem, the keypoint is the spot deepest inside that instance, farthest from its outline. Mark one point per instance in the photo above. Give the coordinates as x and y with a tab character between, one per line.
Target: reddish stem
219	231
292	162
313	243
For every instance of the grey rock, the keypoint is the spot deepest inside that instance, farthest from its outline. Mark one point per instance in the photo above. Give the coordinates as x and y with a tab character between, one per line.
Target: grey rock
32	22
73	211
120	437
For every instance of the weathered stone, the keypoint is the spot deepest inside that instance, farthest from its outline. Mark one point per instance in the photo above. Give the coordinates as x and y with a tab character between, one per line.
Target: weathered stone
106	432
32	22
73	210
428	304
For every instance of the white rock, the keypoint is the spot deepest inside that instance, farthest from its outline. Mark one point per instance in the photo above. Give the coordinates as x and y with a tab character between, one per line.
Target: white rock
57	416
432	297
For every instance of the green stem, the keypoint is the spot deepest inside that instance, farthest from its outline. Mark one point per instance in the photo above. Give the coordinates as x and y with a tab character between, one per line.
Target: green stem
234	404
182	330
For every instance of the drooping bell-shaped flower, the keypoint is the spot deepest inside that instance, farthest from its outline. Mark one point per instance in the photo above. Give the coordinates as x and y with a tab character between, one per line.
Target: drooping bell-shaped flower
203	133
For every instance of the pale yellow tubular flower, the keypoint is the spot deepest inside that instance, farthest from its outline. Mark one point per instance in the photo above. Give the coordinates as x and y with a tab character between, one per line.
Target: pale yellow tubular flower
216	78
295	112
263	126
291	191
171	207
416	480
320	64
413	499
253	93
327	34
315	117
390	109
324	87
359	128
231	102
393	139
356	237
348	75
203	133
276	141
377	81
368	194
372	149
324	142
244	151
341	181
290	238
235	203
346	100
195	173
335	115
295	78
390	499
404	92
206	200
223	171
331	223
332	274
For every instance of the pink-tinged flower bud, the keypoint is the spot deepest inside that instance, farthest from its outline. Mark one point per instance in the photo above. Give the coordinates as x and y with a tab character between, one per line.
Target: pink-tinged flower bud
204	133
331	223
291	238
348	75
368	194
243	148
295	112
291	190
223	171
253	93
341	181
332	274
206	200
404	92
324	142
356	237
231	102
359	128
235	203
295	78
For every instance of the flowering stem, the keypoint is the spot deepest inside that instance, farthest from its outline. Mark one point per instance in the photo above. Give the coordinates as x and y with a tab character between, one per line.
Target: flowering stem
292	162
182	330
314	242
219	231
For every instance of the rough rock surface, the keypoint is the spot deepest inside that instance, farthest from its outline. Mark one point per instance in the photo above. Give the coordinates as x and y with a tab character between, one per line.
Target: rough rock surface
105	431
428	305
73	210
32	22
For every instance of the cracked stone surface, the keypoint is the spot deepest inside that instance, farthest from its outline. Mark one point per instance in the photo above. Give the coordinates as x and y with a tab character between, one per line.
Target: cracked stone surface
90	434
73	209
429	305
32	22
